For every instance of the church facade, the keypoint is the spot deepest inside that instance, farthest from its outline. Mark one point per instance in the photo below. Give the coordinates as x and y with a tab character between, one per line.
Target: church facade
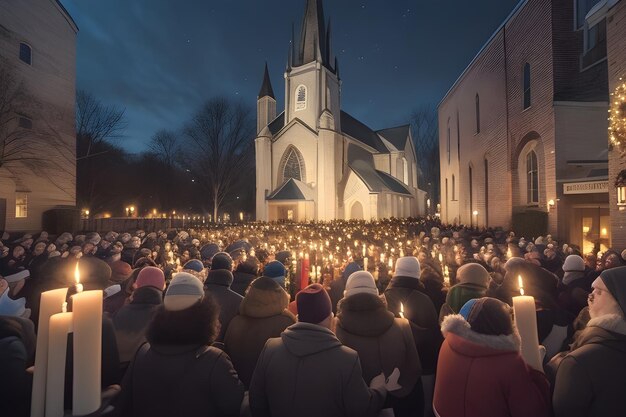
316	162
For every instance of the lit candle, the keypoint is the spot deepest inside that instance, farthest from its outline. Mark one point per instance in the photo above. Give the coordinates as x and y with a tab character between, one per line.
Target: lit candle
60	327
390	264
365	264
51	302
446	275
364	250
79	286
87	324
526	323
401	310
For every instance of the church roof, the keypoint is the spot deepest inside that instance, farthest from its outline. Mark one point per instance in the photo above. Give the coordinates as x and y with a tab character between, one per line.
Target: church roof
292	189
396	135
375	180
266	87
359	131
277	124
314	42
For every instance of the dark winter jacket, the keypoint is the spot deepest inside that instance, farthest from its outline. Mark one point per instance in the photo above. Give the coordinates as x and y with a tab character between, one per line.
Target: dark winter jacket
420	311
338	286
131	321
262	315
218	285
573	292
484	376
241	281
590	378
435	290
16	354
307	372
382	341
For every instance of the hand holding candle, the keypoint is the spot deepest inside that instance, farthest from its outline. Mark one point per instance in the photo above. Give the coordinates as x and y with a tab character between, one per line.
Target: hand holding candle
526	323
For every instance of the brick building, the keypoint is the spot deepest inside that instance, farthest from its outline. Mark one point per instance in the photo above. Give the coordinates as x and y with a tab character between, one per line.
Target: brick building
522	132
37	120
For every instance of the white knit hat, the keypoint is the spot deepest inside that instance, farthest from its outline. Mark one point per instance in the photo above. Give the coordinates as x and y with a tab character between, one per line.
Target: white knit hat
184	291
407	266
360	282
573	263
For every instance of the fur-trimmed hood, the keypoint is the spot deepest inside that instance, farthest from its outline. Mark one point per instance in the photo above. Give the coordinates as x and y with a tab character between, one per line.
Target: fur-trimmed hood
262	302
457	325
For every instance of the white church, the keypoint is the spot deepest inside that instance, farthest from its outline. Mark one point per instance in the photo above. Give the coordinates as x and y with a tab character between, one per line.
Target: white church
316	162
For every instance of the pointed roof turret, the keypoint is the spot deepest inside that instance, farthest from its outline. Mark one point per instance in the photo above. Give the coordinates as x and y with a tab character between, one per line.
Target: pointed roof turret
313	35
266	87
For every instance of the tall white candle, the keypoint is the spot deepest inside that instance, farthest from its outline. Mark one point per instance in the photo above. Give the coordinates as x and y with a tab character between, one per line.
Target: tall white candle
51	302
87	322
60	326
365	264
526	323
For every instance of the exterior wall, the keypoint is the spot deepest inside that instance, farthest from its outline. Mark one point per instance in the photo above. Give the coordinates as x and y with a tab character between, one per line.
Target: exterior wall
263	154
265	112
51	34
356	191
306	142
616	54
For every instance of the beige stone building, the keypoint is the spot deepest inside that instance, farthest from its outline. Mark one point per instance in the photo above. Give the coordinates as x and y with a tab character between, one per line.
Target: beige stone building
314	161
522	132
37	132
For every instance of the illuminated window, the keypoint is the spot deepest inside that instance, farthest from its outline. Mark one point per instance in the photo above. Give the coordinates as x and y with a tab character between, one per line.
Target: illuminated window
289	214
405	166
21	205
26	53
532	178
621	195
301	98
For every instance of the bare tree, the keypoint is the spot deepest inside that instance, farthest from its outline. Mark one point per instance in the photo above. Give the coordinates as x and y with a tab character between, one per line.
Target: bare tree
219	152
96	123
425	132
165	145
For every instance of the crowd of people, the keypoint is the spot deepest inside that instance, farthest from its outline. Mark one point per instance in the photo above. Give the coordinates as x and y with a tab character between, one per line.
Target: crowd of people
404	317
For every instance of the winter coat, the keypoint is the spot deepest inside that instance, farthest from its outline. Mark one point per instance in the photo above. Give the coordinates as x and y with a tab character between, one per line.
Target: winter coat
590	378
180	380
17	338
308	372
573	292
435	290
382	341
131	321
484	376
420	311
241	281
218	285
335	291
262	315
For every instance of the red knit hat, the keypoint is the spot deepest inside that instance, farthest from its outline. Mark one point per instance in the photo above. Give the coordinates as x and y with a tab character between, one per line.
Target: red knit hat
150	276
314	304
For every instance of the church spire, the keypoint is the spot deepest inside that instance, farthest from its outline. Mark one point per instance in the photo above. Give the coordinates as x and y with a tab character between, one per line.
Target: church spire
266	87
313	35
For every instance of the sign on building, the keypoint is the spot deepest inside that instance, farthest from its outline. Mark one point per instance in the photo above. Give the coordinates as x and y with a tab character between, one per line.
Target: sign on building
589	187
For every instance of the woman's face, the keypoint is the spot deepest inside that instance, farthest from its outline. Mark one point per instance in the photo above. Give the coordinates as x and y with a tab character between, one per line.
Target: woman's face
39	248
18	252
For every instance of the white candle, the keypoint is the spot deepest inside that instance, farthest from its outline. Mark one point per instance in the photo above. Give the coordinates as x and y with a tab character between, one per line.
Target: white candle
365	264
401	310
526	323
60	326
87	322
51	302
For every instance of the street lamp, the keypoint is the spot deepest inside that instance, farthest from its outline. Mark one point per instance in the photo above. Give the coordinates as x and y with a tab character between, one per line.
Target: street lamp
132	211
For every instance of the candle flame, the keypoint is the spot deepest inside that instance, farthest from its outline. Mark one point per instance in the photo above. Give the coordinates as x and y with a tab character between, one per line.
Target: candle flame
521	284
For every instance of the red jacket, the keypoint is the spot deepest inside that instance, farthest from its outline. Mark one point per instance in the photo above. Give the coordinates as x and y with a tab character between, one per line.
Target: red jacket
484	376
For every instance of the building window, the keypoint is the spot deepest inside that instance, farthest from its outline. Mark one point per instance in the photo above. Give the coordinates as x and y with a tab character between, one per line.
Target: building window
453	188
448	143
582	7
25	122
594	44
477	113
292	165
526	86
301	97
26	53
21	205
405	171
532	178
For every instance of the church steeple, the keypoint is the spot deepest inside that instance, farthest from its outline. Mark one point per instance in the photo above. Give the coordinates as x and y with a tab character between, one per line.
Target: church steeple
313	42
266	87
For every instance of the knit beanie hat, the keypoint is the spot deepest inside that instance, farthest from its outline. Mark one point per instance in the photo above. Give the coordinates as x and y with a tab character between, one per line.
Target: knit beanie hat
120	271
276	271
349	269
513	263
407	266
194	265
313	304
473	273
222	260
488	316
208	251
573	263
360	282
615	281
150	276
184	291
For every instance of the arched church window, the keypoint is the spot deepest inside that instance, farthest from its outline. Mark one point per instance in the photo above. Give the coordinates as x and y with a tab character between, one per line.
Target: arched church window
405	171
292	165
301	97
532	178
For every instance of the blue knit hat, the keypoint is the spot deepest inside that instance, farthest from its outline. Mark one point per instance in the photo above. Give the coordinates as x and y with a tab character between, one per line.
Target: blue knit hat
351	268
276	271
194	265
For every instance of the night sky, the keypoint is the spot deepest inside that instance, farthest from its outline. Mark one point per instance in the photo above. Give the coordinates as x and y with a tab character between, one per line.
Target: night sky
160	59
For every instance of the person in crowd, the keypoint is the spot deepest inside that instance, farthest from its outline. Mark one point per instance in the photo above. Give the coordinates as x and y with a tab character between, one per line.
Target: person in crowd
308	372
218	282
481	372
132	320
434	287
574	288
382	341
262	315
276	271
473	282
338	286
590	376
178	373
246	272
406	291
115	295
